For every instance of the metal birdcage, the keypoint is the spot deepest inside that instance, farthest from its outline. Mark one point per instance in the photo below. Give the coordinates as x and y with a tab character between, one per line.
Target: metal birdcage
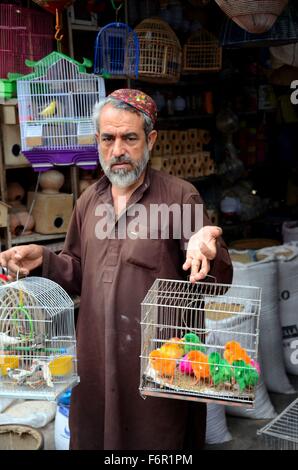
55	110
282	432
116	51
188	353
37	340
24	34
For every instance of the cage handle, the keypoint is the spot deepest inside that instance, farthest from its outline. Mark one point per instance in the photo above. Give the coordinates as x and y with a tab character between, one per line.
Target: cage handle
203	280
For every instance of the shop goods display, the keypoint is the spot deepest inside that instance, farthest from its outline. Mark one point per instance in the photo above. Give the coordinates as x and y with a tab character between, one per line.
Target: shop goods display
37	340
55	109
182	154
183	358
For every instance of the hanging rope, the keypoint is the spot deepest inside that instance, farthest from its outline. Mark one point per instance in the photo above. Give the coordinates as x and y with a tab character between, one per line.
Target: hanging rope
58	28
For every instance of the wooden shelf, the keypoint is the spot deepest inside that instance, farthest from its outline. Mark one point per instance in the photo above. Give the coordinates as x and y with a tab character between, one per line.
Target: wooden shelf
36	237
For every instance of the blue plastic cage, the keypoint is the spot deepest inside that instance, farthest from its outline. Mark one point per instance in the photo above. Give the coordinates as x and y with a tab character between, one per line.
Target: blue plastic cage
117	51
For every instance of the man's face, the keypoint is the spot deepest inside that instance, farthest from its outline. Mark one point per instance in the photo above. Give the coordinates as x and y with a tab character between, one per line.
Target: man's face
123	149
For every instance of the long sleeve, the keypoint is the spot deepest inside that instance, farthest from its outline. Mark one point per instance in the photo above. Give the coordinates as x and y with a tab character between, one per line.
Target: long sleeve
65	268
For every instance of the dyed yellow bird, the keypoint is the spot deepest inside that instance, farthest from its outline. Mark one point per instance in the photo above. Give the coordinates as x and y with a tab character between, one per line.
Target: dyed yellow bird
49	110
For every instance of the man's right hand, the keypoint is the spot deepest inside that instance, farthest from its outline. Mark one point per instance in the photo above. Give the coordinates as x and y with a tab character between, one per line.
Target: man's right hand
21	260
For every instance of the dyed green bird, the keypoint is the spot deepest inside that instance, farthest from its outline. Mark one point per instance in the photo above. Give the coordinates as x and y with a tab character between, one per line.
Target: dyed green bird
245	374
193	343
221	371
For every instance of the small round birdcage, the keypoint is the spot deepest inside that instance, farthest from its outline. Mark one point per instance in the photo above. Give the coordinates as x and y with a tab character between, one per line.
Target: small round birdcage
251	15
116	51
202	53
160	52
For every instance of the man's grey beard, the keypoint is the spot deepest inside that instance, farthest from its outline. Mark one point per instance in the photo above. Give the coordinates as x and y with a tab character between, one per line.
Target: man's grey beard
123	178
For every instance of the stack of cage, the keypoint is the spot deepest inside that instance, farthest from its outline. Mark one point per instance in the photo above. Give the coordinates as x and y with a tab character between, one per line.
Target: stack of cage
24	34
202	53
160	52
282	432
55	110
187	353
116	52
37	340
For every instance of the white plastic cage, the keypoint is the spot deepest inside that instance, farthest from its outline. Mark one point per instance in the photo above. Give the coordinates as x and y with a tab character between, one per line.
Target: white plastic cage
282	432
200	342
38	357
56	104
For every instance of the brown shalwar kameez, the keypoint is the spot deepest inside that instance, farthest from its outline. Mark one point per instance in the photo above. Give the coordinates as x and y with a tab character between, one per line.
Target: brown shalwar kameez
112	277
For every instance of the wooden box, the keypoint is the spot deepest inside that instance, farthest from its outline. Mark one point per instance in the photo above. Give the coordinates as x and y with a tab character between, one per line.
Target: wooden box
157	150
167	148
12	146
51	212
9	114
3	214
158	163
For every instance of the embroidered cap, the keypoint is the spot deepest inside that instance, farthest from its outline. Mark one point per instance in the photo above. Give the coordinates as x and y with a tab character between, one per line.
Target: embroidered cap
137	99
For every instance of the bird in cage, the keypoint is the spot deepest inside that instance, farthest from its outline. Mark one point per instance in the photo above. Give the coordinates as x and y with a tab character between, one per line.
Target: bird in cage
173	348
193	343
220	370
49	110
245	375
162	363
234	352
200	365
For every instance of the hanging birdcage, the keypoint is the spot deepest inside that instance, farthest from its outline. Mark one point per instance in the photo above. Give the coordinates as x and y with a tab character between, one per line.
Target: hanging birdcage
37	340
116	51
202	53
24	34
160	52
255	16
188	353
55	110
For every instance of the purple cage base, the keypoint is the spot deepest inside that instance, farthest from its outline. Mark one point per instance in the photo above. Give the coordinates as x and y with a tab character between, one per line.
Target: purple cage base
43	160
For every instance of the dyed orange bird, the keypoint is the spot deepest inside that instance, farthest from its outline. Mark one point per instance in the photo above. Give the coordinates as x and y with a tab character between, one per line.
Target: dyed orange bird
200	365
235	352
173	348
164	364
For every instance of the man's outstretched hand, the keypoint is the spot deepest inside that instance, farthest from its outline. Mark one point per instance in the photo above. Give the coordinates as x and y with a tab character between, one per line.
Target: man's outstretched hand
200	251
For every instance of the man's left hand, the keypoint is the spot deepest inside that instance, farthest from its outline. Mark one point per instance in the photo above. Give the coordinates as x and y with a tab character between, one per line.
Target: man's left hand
200	251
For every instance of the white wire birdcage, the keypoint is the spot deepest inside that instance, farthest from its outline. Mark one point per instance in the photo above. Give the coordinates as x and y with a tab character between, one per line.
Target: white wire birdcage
187	353
55	110
282	432
37	340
